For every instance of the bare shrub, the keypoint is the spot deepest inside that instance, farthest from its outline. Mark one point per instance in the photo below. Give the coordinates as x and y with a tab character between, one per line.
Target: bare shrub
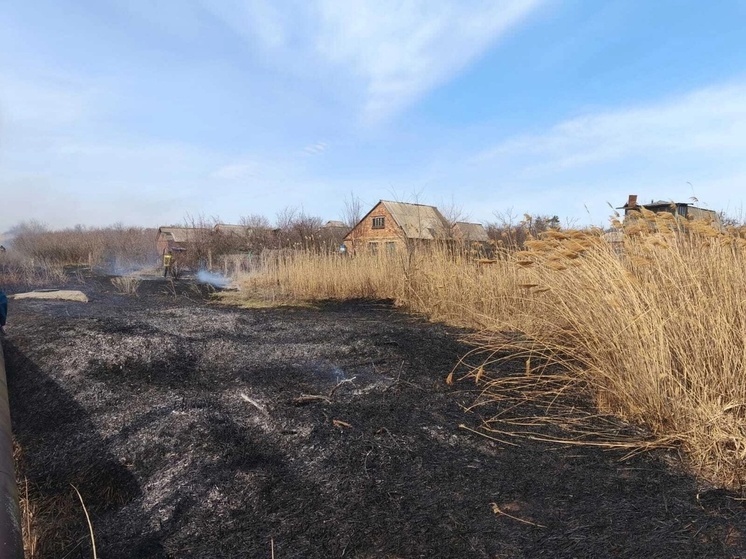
17	270
115	247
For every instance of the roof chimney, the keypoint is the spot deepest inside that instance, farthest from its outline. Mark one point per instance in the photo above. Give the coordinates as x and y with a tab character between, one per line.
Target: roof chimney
632	202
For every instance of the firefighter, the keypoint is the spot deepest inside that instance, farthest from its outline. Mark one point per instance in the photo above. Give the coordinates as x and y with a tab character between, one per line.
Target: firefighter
168	260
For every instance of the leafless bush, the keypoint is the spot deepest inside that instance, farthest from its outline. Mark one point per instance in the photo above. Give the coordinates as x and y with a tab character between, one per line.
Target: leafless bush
511	232
116	246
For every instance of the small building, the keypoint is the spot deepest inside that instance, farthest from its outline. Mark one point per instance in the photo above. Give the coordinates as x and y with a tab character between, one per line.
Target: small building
230	229
683	209
178	238
393	226
334	224
469	232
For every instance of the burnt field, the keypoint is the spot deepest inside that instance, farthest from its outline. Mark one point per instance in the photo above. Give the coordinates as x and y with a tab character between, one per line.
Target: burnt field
196	430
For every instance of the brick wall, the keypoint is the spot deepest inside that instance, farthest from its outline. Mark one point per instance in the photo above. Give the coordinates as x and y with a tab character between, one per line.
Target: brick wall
363	234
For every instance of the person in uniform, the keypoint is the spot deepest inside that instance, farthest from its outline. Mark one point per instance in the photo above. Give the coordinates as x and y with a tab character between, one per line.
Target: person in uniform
168	260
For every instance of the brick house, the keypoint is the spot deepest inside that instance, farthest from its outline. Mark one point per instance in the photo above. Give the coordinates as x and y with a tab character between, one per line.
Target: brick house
470	232
681	209
178	238
393	226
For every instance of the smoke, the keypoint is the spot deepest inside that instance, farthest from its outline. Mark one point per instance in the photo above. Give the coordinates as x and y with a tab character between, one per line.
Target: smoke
216	280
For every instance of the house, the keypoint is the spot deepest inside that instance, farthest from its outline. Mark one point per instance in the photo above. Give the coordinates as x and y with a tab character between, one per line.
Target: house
333	224
178	238
469	232
232	230
393	226
683	209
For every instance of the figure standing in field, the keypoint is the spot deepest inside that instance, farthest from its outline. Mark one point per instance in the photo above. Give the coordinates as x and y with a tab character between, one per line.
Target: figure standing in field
168	260
3	311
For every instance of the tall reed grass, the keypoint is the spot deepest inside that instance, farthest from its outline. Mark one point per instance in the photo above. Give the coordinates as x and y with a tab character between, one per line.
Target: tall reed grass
651	330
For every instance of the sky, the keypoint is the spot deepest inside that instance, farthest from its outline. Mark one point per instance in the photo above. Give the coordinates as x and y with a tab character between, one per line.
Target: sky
155	112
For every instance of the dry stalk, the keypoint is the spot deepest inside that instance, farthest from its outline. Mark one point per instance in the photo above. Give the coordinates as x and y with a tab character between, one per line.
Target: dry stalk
126	285
497	511
88	520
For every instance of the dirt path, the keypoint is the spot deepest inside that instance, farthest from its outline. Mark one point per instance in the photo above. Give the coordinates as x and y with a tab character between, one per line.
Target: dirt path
194	430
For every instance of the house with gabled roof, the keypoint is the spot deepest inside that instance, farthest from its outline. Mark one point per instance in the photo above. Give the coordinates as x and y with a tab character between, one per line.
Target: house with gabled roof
469	232
686	210
178	238
391	226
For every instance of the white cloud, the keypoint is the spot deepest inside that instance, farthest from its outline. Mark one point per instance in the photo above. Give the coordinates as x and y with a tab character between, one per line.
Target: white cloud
652	150
390	50
403	49
49	101
235	171
315	149
709	121
255	20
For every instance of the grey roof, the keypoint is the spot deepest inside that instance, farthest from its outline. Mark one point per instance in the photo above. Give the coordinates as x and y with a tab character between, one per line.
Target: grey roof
418	221
180	234
335	225
235	229
666	203
473	232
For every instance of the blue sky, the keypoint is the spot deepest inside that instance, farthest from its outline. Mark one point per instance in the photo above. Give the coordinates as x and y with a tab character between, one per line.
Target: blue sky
144	112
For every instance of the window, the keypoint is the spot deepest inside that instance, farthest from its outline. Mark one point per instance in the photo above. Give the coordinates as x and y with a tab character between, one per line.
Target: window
378	223
373	248
390	247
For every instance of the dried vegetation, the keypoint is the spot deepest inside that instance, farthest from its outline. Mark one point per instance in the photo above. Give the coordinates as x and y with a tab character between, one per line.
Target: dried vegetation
650	329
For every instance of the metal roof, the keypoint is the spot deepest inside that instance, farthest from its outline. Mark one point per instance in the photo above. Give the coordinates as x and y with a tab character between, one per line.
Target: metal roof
418	221
335	224
474	232
235	229
180	234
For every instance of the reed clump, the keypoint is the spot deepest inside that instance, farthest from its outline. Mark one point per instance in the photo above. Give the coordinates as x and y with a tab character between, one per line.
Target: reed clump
654	331
126	285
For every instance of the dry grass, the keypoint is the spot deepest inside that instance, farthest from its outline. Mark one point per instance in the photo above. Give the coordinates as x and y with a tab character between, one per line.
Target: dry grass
126	285
116	247
653	334
23	271
445	285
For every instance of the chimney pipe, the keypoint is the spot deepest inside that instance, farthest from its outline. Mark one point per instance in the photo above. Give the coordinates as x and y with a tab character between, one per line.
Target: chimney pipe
632	202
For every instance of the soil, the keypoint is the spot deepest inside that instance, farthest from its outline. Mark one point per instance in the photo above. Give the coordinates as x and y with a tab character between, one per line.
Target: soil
197	430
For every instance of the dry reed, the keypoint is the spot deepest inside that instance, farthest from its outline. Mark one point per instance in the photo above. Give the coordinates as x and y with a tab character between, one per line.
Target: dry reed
651	331
126	285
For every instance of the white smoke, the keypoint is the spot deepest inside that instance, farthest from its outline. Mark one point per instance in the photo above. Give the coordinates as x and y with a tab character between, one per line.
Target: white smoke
216	280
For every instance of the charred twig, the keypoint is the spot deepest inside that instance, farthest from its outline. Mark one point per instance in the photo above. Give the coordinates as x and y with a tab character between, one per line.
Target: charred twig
462	426
254	403
305	399
497	511
399	381
340	383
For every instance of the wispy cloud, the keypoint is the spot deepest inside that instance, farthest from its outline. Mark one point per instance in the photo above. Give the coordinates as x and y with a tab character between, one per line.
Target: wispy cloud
403	49
235	171
654	149
315	149
391	51
709	121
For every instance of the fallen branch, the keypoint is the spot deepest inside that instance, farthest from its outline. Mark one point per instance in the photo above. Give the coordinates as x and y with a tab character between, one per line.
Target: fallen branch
497	511
305	399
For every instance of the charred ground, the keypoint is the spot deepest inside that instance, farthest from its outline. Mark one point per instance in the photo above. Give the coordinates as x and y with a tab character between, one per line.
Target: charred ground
196	430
